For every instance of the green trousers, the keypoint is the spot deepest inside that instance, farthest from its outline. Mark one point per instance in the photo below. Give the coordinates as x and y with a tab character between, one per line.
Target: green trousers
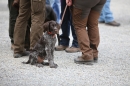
13	13
35	8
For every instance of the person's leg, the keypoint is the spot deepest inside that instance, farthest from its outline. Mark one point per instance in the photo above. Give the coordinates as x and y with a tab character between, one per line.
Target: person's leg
74	47
92	25
38	18
48	2
102	16
82	35
107	12
107	16
65	27
93	31
74	42
109	19
56	6
21	25
13	13
52	2
27	37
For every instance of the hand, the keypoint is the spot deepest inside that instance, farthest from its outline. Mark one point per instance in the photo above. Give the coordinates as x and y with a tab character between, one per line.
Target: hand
69	2
16	4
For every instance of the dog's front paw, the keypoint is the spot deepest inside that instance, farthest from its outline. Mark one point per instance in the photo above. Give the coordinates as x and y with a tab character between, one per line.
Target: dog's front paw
53	66
45	63
39	65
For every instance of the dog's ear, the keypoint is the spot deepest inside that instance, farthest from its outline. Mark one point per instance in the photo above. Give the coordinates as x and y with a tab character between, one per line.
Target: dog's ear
45	26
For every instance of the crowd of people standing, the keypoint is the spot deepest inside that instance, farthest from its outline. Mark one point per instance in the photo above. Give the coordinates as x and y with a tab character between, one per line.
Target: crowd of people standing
78	16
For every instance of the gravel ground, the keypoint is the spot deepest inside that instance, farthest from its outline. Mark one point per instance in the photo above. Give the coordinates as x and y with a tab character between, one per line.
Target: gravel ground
112	69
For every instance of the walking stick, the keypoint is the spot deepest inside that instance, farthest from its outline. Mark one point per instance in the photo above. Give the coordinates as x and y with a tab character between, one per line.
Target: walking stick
61	24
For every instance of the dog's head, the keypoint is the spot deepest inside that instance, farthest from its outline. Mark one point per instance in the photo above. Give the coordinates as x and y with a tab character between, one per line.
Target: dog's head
52	27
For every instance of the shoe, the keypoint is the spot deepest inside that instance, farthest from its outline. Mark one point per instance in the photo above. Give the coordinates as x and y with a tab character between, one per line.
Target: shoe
24	53
27	47
113	23
72	49
84	59
60	48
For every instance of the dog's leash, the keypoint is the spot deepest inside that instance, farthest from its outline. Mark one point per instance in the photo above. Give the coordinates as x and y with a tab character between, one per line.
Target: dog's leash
63	15
61	24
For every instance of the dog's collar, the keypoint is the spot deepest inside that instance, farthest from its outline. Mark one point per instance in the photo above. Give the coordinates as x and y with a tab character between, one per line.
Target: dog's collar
50	33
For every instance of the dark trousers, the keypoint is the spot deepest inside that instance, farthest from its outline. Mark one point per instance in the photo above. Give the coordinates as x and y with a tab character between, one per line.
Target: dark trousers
13	13
66	26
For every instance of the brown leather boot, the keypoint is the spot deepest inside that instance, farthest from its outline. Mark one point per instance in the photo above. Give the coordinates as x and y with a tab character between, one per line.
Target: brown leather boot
60	48
84	59
24	53
113	23
72	49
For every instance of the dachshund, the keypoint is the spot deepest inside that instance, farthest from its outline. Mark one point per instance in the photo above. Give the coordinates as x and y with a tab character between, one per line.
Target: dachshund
44	48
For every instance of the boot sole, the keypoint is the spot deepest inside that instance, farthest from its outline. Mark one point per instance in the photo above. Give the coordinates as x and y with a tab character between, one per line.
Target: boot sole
59	49
72	52
84	62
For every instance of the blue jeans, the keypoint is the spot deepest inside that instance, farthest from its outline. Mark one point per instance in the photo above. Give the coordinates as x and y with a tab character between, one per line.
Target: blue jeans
48	2
65	27
55	4
106	14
